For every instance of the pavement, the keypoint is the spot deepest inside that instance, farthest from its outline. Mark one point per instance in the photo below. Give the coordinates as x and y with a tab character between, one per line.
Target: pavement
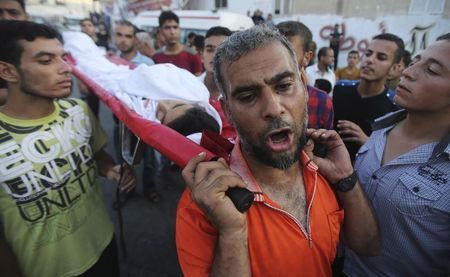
149	228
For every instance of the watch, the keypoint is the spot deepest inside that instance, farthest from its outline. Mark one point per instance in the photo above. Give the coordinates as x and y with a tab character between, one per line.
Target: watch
347	183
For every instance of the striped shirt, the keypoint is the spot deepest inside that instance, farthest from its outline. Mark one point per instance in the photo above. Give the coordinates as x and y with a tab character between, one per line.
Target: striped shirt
411	197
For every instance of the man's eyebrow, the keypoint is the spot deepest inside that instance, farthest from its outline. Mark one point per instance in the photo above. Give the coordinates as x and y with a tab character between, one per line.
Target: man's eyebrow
275	79
244	88
279	77
173	108
44	53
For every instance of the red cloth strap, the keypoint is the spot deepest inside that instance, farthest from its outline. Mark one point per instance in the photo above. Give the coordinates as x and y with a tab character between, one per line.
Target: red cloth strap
168	142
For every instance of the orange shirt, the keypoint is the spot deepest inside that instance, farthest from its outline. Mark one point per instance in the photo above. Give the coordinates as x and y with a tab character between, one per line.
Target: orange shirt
278	245
343	74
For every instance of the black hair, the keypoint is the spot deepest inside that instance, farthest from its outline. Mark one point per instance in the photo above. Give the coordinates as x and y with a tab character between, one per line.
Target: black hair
12	31
218	31
195	120
199	42
395	39
191	34
129	24
444	37
353	52
295	28
322	52
86	19
166	16
323	84
407	58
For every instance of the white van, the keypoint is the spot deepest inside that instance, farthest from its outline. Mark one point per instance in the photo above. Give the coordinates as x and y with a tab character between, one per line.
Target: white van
196	21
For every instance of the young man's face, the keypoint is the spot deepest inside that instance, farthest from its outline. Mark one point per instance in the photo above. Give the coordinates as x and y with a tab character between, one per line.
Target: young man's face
298	44
11	10
211	44
169	110
425	84
125	38
88	27
43	71
328	59
353	60
378	60
170	30
267	104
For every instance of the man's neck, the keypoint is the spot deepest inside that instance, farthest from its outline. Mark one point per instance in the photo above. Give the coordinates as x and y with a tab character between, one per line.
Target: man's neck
211	86
271	176
370	88
426	127
130	55
26	106
323	68
173	49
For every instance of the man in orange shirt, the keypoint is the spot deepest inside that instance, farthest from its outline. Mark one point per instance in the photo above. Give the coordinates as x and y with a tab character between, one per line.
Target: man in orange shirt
293	226
351	71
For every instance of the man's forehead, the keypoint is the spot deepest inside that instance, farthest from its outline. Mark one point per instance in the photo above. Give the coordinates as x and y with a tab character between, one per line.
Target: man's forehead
279	62
124	29
214	40
10	4
39	45
170	23
383	46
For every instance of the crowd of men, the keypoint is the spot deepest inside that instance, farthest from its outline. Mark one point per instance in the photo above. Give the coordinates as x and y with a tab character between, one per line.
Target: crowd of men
358	172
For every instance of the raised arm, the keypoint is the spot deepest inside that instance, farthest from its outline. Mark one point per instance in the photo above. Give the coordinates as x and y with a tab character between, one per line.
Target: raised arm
208	182
360	224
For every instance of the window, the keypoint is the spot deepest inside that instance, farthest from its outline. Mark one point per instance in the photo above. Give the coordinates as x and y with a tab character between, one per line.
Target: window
426	7
221	4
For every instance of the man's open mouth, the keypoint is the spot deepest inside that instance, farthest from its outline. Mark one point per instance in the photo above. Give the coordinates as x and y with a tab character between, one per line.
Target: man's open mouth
280	139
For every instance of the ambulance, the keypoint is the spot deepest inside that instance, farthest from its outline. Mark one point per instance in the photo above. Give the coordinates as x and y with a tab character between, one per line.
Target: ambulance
196	21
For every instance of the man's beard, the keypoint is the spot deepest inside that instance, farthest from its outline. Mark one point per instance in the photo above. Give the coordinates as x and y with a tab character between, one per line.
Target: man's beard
283	160
127	50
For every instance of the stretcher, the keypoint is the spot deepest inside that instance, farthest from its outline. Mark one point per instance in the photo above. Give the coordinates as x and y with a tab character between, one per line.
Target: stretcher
168	142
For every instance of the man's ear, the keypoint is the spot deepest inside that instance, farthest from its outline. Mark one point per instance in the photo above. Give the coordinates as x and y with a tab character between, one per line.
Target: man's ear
8	72
307	58
393	71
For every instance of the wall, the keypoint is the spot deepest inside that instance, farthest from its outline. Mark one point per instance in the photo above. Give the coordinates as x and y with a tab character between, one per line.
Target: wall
416	31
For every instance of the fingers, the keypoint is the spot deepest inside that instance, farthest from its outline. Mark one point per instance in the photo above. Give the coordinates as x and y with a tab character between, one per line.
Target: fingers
128	181
188	172
330	138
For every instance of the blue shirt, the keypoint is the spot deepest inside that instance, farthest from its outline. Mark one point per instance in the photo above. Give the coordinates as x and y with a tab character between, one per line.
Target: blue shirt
141	59
411	199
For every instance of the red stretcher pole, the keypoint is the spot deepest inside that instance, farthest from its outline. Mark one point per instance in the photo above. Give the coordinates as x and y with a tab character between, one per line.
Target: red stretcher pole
168	142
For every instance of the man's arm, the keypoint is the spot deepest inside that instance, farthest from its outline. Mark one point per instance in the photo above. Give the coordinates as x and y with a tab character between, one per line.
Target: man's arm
360	224
208	182
352	132
111	171
8	262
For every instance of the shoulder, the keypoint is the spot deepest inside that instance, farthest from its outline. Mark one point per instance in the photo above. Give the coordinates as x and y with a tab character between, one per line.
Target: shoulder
189	51
318	93
345	86
71	104
311	68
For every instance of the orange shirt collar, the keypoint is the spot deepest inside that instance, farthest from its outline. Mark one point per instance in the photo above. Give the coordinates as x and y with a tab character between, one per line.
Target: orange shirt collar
240	166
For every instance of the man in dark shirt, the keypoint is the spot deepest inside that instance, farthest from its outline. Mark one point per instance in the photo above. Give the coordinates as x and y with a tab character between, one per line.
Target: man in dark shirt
358	104
174	52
